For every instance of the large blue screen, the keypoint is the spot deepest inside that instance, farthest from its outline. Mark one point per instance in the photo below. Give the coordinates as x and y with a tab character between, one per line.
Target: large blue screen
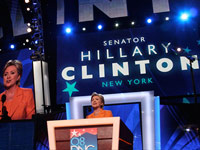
130	60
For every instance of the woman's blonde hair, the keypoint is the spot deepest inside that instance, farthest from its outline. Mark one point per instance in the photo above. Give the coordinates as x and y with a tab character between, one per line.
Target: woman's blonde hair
18	65
100	96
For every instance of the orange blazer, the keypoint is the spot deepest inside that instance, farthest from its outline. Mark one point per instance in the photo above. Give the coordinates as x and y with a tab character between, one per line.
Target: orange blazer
22	106
102	113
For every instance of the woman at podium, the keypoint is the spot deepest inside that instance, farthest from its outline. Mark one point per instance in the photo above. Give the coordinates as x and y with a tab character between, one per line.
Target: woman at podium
97	101
16	103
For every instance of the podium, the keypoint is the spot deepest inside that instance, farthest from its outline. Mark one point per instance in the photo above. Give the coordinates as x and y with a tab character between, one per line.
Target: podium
112	133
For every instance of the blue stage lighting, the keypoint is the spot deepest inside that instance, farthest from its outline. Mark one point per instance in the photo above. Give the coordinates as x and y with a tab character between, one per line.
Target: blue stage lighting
184	16
193	12
166	18
36	41
100	27
68	30
12	46
149	20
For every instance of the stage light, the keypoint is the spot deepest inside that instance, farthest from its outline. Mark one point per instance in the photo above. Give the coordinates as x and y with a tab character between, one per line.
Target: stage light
187	129
179	49
68	30
184	16
29	30
28	9
27	40
24	44
166	18
29	48
36	41
99	27
29	24
116	25
84	29
193	12
132	23
27	1
149	20
12	46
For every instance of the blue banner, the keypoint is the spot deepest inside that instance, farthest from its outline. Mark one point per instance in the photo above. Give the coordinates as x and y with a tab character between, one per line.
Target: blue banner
139	59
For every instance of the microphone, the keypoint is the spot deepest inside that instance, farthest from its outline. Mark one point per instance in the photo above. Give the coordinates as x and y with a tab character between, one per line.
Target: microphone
4	115
190	57
89	109
3	98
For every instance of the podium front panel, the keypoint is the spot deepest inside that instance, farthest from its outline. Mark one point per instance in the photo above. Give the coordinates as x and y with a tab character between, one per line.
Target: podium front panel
104	137
107	136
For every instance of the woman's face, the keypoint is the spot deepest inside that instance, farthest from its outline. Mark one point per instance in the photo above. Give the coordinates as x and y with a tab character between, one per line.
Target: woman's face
10	77
96	102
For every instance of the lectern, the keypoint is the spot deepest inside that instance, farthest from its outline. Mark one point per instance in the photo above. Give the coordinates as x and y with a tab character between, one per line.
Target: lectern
112	133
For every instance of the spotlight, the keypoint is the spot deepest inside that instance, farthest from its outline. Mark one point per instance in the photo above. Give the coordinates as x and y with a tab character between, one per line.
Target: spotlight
149	20
184	16
166	18
68	30
26	1
132	23
179	49
29	30
193	12
12	46
29	48
29	24
36	41
28	9
24	44
187	129
116	25
84	29
27	40
100	27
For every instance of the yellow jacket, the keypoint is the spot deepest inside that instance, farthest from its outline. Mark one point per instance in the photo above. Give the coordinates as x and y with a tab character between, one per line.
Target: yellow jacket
102	113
